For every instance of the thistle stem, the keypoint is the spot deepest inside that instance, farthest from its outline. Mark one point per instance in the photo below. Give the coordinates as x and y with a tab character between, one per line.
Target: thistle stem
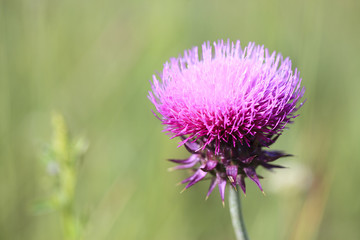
236	215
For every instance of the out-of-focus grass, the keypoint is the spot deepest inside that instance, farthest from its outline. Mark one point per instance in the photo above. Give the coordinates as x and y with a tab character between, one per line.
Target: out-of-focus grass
91	60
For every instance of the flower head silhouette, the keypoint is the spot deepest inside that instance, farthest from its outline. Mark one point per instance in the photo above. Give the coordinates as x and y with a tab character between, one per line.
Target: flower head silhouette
227	107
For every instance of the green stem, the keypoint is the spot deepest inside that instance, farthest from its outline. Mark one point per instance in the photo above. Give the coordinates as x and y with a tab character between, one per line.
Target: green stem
70	224
236	215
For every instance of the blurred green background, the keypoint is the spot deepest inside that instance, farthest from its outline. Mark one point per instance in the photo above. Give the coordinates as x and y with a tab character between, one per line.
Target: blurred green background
92	60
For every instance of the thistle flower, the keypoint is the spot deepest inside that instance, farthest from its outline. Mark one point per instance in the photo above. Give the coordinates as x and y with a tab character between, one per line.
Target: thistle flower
228	107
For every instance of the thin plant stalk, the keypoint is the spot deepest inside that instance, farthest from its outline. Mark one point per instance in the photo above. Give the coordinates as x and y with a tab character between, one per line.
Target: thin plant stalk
236	215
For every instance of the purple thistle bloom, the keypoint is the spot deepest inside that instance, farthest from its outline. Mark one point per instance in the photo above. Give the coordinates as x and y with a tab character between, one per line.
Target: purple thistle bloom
227	106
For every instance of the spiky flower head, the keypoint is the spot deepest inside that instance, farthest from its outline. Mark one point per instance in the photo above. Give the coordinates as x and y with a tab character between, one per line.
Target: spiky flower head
227	106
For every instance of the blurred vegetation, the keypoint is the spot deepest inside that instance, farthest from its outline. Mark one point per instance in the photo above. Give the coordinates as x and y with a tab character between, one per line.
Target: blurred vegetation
92	60
62	159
